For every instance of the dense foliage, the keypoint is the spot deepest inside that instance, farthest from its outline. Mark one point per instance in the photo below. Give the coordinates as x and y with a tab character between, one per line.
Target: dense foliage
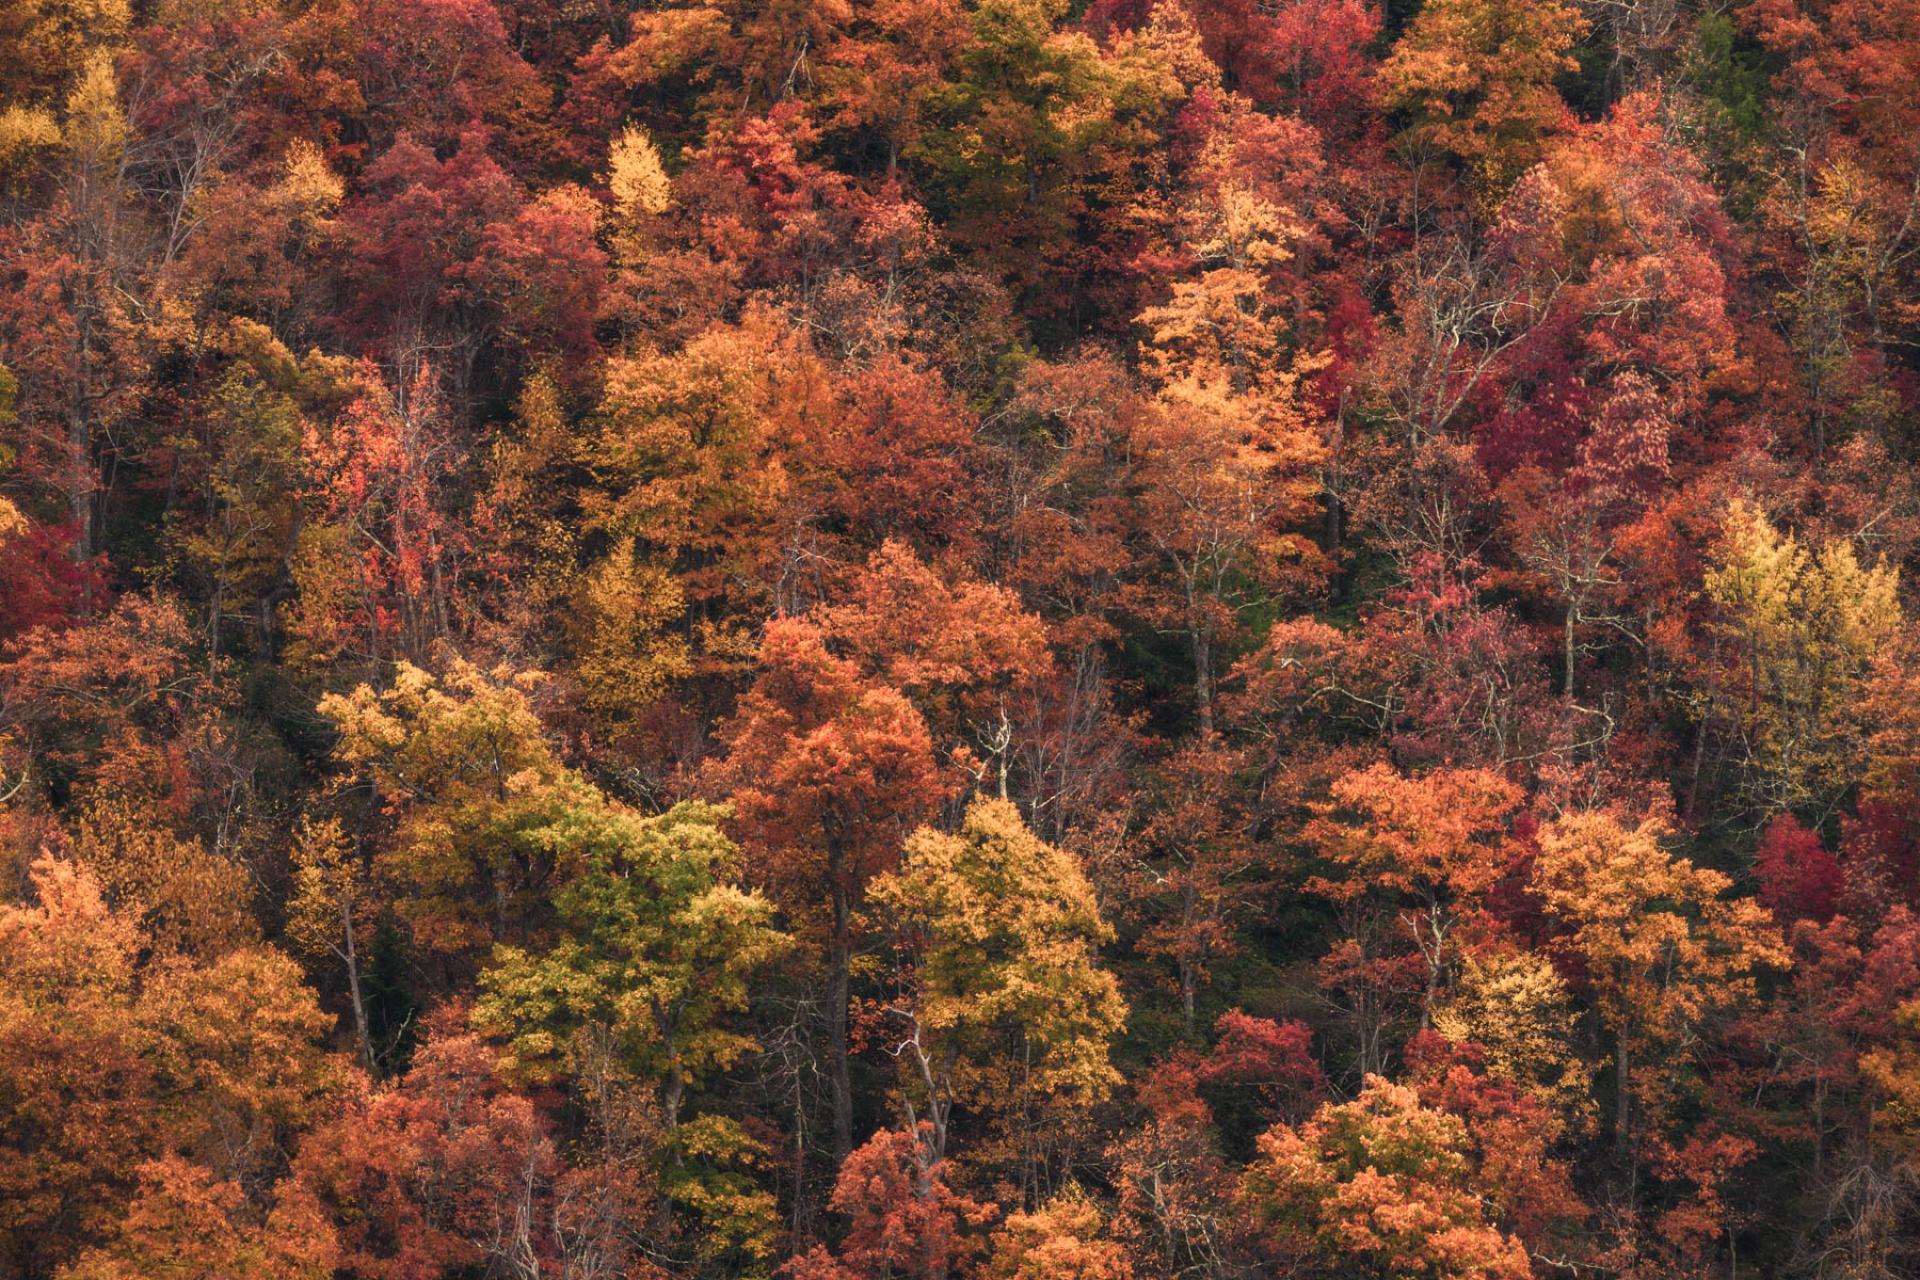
959	639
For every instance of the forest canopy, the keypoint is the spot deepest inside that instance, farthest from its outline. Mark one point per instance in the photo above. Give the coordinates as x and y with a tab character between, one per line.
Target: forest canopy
959	639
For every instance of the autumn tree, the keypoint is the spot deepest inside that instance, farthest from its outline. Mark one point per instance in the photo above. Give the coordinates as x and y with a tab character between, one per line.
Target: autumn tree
1037	120
441	1169
1226	461
1476	77
375	570
1005	1004
1797	628
885	81
626	650
962	649
1066	1236
1516	1142
113	707
1567	532
189	898
451	253
1175	1191
249	463
1665	950
684	459
115	1059
1198	870
471	786
1520	1014
1837	201
907	1219
1414	855
122	732
827	773
331	913
83	278
1381	1183
49	43
185	1222
80	1097
656	946
1838	1041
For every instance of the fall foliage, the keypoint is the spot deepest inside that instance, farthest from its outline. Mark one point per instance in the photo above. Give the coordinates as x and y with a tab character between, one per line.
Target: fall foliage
959	639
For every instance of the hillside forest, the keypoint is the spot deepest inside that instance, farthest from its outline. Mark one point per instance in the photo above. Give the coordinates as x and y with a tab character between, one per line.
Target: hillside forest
959	639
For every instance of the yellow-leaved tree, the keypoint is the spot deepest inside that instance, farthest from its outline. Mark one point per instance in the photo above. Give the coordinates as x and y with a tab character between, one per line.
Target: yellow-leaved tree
1005	1005
1893	1069
640	188
1066	1238
626	653
471	790
1665	950
1227	453
1795	635
655	948
1517	1008
635	176
1476	78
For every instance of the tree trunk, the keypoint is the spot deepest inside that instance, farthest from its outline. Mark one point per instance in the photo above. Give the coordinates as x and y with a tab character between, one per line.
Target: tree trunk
1335	531
80	437
352	957
1622	1132
672	1092
1567	684
837	996
1189	980
1203	679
